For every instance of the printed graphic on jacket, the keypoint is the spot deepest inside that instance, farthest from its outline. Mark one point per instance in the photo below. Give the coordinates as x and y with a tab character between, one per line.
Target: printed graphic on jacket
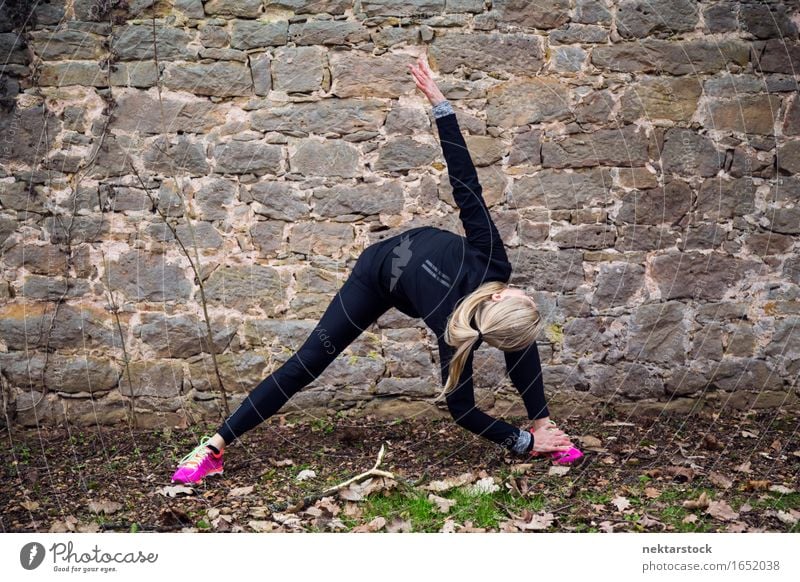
401	256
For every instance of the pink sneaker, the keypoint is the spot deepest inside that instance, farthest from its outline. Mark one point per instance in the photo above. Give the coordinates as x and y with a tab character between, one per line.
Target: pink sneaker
567	457
198	464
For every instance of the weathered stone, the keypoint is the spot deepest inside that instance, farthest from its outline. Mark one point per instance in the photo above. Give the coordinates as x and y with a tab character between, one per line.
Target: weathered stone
720	16
26	327
484	150
48	259
135	74
627	146
359	74
54	45
243	157
262	73
526	149
704	236
645	238
402	8
696	275
140	111
688	153
215	36
214	197
298	70
746	374
727	85
776	56
325	158
488	52
328	32
791	125
135	42
689	57
250	34
28	135
418	387
200	234
684	381
616	284
661	98
330	116
766	20
238	8
764	244
640	18
76	229
745	114
152	378
245	287
546	270
532	14
559	190
52	288
405	153
80	374
596	107
267	237
306	7
567	59
175	157
578	33
591	12
327	238
344	200
657	333
789	156
632	380
719	198
669	204
585	236
784	220
182	336
277	200
637	177
228	80
144	276
522	101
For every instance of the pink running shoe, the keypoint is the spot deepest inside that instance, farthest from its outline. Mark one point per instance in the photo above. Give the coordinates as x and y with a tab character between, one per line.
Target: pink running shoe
567	457
198	464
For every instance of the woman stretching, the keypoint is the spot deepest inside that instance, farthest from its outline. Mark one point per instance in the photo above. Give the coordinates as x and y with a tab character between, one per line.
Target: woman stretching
456	285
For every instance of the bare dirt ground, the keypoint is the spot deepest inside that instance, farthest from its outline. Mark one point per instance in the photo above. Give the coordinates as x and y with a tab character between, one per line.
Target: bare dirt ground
726	471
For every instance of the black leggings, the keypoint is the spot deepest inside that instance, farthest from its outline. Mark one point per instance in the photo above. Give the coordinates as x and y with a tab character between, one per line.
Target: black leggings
353	309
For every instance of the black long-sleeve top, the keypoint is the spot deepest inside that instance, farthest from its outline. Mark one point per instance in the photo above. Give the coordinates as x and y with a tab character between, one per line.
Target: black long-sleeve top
427	270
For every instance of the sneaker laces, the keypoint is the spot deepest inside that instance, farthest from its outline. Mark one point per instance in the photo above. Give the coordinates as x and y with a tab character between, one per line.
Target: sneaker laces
197	454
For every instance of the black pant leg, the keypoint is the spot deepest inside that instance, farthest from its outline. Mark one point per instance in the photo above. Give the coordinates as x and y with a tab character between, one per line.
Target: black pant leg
353	309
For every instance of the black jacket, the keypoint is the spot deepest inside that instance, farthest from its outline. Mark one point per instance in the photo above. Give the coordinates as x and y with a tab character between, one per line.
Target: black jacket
426	271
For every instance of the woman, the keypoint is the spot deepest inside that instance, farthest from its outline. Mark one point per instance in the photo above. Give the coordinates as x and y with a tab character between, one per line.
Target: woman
457	285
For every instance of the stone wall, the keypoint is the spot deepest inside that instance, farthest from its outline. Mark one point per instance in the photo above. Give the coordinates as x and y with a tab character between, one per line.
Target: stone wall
640	158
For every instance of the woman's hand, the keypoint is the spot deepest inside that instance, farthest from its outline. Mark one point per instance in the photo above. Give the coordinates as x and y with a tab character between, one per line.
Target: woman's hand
424	78
548	438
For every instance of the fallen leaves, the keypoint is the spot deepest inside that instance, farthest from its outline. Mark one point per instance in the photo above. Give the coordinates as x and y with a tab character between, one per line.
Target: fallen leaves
720	480
621	503
482	486
305	474
451	482
104	506
240	491
721	510
442	504
528	521
359	491
175	491
699	503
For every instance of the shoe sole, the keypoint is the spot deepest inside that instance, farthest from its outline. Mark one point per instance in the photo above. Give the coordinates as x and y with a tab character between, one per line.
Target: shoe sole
211	474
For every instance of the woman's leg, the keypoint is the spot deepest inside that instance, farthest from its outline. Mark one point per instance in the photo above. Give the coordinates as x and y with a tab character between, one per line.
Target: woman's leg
354	308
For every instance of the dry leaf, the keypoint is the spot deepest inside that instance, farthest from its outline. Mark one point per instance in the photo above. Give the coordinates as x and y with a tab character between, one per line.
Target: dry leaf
486	485
558	470
744	467
647	521
606	526
358	491
176	491
712	443
720	480
91	527
721	510
651	492
305	474
443	504
469	528
781	489
699	503
261	525
754	485
240	491
681	474
621	503
788	517
749	435
520	468
282	463
376	524
736	527
449	526
450	483
590	442
690	518
30	505
533	521
104	506
398	525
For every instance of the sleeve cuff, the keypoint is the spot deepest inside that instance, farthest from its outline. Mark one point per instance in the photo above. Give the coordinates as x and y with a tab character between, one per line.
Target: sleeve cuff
442	108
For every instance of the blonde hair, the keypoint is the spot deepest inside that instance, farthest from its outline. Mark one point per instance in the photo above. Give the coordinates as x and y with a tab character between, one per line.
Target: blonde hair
509	325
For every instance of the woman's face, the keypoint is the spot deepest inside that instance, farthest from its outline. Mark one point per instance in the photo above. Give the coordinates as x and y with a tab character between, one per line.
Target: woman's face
511	292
